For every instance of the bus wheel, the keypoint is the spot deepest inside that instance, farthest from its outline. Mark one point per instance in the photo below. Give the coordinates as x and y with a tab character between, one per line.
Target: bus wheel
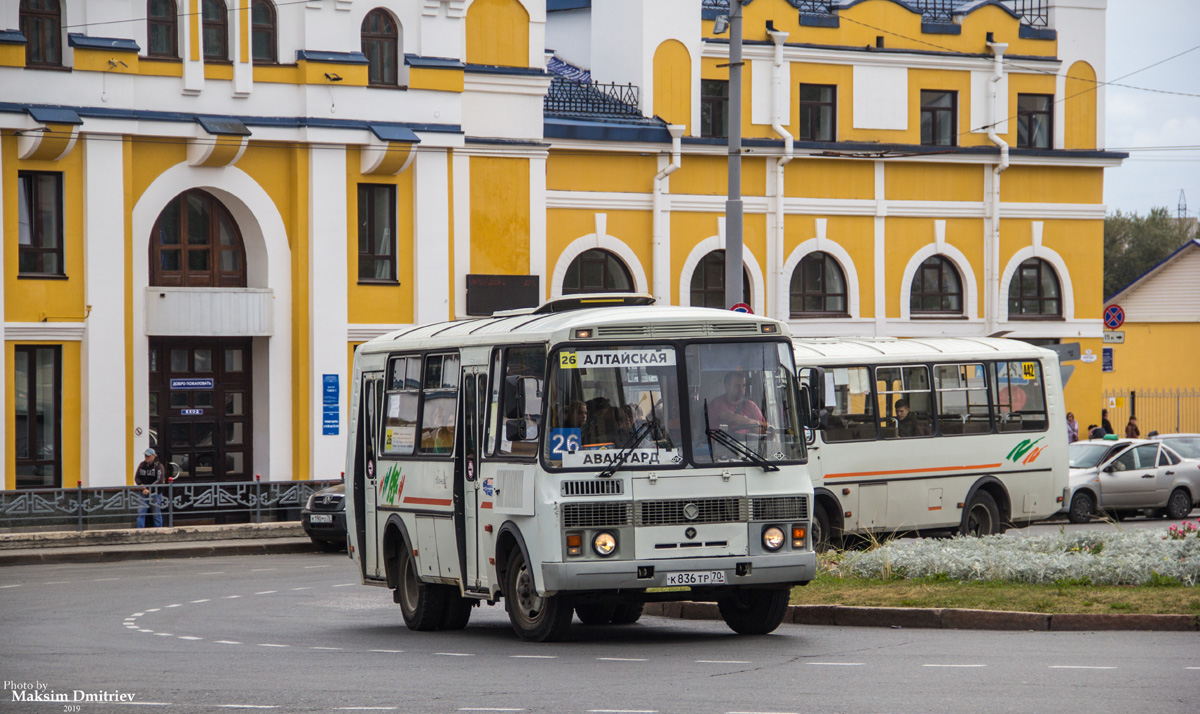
820	530
982	516
535	618
457	612
627	613
421	605
754	612
1179	505
592	613
1082	507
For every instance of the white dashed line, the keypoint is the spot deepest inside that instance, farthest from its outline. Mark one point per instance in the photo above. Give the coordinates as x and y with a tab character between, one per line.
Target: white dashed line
488	709
534	656
365	709
960	666
246	706
310	567
262	570
834	664
137	614
214	572
387	651
154	609
104	580
270	645
304	588
325	648
453	654
131	627
163	634
196	602
343	585
144	630
51	582
722	661
1191	667
267	592
228	642
1076	666
189	637
760	712
4	587
622	659
230	597
622	711
178	604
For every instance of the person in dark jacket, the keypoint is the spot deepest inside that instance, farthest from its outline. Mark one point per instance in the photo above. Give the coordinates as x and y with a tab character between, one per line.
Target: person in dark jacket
1105	423
1131	429
148	474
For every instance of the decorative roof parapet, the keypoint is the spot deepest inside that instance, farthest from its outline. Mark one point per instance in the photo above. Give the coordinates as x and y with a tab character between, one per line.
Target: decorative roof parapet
1035	13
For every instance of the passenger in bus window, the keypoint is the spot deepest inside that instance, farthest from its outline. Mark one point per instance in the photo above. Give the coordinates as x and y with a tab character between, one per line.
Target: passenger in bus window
906	422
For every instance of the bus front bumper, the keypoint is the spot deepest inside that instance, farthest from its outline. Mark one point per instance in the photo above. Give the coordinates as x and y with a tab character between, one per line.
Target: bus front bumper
756	570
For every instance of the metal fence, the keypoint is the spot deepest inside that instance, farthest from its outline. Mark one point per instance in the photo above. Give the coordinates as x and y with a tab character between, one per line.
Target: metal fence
1033	12
117	507
570	97
1167	411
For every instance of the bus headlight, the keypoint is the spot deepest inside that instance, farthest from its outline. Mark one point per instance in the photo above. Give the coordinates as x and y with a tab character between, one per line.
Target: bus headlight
604	543
772	538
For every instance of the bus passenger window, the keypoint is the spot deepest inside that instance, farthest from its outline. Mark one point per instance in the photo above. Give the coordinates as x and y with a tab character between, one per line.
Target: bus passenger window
521	400
852	418
1019	396
962	399
441	400
904	401
400	408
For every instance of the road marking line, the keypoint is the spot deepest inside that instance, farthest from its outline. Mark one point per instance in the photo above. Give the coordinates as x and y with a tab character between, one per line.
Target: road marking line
195	602
1191	667
246	706
534	656
137	614
269	645
455	654
213	572
228	642
310	567
954	665
260	570
346	585
2	587
622	711
154	609
131	627
1076	666
387	651
131	617
144	630
104	580
488	709
267	592
189	637
834	664
365	709
304	588
325	648
50	582
760	712
722	661
622	659
230	597
178	604
163	634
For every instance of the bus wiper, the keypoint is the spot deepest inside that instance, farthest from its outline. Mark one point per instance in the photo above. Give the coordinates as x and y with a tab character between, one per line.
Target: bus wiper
727	440
627	450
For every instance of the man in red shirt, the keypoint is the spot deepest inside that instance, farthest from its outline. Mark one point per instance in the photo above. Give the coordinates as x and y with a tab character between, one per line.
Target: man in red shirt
733	410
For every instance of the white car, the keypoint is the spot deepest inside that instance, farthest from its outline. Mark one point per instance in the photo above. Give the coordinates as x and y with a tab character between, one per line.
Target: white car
1127	476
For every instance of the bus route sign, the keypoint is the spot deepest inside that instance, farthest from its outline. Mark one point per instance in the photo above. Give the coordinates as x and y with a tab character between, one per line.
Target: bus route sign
1114	317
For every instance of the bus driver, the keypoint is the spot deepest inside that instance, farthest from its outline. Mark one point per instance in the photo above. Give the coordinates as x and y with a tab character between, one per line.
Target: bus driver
732	409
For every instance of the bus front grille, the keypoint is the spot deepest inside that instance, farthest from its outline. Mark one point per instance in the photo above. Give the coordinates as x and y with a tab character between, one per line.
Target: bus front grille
779	508
683	511
593	487
611	514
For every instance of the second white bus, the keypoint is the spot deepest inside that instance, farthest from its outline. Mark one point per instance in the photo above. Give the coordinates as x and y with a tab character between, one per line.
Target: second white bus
927	436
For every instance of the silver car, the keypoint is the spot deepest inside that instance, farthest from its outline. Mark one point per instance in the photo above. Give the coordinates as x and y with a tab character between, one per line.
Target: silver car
1127	476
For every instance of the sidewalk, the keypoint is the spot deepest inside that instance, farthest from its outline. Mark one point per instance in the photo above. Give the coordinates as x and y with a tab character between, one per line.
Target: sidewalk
258	539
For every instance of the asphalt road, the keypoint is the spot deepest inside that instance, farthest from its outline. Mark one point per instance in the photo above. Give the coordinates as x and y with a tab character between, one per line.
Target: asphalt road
297	633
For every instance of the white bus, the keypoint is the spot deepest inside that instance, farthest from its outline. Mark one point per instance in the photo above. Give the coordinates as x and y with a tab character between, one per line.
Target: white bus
579	458
931	436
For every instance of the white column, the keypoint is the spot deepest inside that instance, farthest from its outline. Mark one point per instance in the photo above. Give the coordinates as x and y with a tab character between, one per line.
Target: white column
104	460
881	286
537	222
193	70
431	236
243	67
327	307
462	230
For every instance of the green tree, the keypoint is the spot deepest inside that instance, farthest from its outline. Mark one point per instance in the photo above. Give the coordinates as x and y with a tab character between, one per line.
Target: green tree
1133	244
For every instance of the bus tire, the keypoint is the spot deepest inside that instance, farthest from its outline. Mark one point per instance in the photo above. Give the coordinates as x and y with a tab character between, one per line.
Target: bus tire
754	611
421	605
981	516
595	613
820	530
1179	504
1082	507
533	617
457	609
627	613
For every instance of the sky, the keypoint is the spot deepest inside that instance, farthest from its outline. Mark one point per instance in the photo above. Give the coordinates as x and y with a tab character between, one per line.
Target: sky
1140	33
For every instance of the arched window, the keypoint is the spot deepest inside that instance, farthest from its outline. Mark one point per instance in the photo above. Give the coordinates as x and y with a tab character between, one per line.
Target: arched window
597	271
380	43
936	288
262	32
41	23
818	287
708	282
1034	291
196	243
162	19
216	31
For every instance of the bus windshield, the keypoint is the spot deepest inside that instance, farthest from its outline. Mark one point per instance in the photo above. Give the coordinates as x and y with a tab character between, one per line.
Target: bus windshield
601	397
742	391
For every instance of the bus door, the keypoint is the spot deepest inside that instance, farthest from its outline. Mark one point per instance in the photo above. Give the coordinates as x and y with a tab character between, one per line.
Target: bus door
466	471
372	395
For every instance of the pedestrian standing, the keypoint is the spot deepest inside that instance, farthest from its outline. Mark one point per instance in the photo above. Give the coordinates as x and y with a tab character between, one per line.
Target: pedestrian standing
1105	423
1131	429
149	473
1072	429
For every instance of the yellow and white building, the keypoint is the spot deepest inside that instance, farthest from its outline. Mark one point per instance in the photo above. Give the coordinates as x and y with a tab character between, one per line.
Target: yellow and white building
206	204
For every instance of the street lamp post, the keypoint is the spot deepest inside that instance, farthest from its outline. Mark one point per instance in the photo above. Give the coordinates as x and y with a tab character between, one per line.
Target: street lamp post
733	204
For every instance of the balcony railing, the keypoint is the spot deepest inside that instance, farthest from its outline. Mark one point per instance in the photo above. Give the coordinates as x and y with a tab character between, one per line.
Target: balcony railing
573	98
1035	13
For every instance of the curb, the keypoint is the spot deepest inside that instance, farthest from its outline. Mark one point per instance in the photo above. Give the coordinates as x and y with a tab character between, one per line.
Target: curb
944	618
142	536
199	550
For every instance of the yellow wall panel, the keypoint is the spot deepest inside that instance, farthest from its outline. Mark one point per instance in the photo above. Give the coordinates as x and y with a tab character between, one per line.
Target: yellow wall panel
12	55
709	176
1156	355
1084	391
90	60
498	33
1081	245
36	299
372	303
499	216
1043	184
940	80
688	229
829	178
633	228
153	67
1080	107
933	182
673	84
438	80
856	234
218	71
312	72
568	171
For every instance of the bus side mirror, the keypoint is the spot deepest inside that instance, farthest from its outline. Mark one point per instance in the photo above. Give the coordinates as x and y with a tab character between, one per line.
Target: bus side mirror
812	395
520	430
522	397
